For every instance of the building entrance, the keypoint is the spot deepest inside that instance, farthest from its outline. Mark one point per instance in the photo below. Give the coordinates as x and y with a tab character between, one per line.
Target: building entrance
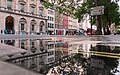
9	25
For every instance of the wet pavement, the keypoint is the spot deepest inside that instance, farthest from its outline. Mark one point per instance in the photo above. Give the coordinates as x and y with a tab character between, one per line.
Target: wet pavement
66	56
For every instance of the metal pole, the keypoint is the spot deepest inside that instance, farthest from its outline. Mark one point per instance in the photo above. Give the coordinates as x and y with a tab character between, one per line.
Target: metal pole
91	24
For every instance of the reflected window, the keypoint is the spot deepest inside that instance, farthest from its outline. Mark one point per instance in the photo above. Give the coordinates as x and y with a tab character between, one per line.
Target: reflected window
51	59
50	53
33	44
22	45
9	4
50	46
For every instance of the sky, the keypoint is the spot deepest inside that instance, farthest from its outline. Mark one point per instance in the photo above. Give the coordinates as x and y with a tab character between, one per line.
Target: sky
119	3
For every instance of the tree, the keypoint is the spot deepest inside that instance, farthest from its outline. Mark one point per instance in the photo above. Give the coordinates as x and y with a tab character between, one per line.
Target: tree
111	14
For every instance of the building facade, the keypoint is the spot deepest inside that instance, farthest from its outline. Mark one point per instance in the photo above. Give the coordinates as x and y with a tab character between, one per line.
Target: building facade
73	26
22	17
50	22
59	23
65	23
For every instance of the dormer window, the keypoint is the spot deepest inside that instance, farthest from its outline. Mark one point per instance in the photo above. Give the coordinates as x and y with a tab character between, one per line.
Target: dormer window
9	4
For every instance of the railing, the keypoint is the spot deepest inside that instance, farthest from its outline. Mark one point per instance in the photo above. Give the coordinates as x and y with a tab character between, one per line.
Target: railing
15	11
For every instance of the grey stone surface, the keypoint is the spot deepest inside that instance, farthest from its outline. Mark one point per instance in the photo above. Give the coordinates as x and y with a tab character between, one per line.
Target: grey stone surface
10	69
9	50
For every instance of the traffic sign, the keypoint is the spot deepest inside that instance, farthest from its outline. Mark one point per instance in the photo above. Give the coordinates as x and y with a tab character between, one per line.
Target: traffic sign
99	10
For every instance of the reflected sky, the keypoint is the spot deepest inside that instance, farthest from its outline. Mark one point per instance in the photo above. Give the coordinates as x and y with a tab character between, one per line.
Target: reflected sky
58	56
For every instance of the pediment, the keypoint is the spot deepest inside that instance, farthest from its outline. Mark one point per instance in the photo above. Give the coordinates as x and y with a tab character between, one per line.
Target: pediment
22	1
33	5
41	7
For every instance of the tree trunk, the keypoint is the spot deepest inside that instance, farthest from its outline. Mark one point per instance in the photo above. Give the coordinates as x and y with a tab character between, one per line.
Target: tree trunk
99	21
99	25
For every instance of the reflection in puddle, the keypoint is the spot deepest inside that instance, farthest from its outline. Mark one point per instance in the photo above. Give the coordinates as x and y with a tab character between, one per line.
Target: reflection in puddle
9	42
65	58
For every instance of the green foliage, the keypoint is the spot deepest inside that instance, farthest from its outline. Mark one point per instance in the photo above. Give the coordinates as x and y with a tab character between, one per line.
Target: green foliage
111	13
48	4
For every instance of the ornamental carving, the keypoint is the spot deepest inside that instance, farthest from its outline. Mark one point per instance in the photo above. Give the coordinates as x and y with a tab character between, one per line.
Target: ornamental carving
32	5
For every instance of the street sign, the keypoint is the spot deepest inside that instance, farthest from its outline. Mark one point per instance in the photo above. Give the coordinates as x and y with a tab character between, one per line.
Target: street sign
99	10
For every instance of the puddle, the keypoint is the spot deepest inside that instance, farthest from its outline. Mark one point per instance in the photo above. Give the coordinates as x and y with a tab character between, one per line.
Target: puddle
66	58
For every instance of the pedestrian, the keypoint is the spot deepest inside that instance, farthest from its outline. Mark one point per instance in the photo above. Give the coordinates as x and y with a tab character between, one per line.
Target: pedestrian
112	28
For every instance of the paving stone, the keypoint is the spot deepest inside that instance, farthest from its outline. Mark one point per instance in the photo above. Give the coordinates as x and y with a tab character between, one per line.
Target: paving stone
10	69
9	50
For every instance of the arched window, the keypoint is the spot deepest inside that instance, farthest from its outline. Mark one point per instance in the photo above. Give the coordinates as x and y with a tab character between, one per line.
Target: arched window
22	26
33	26
41	26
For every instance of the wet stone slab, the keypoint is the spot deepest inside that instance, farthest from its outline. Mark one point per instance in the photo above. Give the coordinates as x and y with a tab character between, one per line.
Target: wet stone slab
10	69
9	50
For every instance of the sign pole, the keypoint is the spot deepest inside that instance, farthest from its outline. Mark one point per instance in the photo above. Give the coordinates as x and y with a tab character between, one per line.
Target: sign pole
91	24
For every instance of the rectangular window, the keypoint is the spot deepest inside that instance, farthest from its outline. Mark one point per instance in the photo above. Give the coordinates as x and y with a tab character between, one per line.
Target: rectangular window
50	12
32	10
32	28
52	25
41	12
22	26
22	7
51	18
48	18
33	44
48	25
9	4
22	45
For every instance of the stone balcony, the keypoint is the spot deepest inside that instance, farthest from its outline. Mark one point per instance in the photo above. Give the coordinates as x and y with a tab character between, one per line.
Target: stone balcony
18	12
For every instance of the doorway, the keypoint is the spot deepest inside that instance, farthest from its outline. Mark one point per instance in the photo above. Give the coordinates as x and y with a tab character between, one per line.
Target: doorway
9	25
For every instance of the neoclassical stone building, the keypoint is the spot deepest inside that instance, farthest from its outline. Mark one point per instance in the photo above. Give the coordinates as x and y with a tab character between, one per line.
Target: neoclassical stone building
22	17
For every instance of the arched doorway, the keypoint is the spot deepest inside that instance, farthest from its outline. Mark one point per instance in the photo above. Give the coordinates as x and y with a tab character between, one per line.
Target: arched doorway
9	25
